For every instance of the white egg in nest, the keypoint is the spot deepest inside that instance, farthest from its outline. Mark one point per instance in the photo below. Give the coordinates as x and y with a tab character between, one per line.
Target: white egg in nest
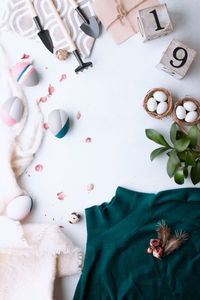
161	108
191	116
160	96
180	112
152	104
190	106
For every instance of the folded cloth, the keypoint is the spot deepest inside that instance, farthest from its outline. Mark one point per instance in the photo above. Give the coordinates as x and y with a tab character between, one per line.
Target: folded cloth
18	148
120	16
31	257
15	16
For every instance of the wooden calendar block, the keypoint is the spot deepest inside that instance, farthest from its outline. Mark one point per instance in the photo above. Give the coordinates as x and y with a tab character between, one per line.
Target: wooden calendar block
177	59
154	22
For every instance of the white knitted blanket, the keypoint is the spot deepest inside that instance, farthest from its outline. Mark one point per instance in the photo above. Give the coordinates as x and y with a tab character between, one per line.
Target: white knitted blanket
16	152
31	257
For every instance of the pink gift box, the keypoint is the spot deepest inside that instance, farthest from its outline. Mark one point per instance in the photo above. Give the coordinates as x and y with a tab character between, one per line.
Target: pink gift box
119	17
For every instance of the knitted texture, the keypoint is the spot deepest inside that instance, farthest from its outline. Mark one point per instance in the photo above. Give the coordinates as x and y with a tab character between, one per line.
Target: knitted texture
31	257
16	153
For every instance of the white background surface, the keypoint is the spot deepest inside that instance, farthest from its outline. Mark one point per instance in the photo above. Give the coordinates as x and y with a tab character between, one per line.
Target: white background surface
109	97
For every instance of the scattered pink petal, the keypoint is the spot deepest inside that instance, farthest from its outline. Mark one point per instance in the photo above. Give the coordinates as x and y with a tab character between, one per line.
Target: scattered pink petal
61	226
61	196
158	252
38	168
88	140
78	116
43	99
155	243
51	90
63	77
25	56
46	126
90	187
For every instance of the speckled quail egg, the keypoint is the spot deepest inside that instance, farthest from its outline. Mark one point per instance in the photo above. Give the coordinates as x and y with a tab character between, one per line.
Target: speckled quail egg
74	218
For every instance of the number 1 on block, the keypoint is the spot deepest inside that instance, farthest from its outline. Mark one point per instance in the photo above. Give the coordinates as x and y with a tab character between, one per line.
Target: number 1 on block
154	12
154	22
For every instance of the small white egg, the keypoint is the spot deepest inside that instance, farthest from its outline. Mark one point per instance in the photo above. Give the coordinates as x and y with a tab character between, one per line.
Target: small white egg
152	104
190	106
160	96
191	116
19	208
161	108
180	112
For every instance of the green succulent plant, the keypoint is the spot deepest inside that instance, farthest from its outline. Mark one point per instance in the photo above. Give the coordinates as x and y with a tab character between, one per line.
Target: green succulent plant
183	155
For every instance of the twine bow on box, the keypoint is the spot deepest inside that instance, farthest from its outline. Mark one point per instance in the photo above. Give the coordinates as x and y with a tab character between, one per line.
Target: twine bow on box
123	13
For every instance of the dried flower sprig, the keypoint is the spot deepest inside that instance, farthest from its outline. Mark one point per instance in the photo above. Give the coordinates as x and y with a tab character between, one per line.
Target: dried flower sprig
166	243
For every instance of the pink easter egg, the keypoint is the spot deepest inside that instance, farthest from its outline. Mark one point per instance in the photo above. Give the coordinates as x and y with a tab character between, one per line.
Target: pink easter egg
11	111
25	74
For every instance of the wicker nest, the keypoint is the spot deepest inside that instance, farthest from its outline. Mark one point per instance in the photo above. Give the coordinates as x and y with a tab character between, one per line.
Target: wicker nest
169	101
181	102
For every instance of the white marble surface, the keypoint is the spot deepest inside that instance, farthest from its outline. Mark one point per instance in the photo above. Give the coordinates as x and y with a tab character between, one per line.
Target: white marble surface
109	97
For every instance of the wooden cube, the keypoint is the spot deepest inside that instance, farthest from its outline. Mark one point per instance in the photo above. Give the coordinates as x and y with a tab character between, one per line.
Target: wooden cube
154	22
177	59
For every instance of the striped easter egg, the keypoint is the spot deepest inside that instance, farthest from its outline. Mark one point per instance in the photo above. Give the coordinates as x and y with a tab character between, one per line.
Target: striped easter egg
58	122
11	111
25	74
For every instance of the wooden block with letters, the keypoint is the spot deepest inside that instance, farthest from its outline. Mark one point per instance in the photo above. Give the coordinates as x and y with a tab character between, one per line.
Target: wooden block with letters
154	22
177	59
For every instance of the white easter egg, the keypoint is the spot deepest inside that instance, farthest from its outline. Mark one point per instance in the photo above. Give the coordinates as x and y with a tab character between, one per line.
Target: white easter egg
190	106
161	108
11	111
180	112
19	208
191	116
58	122
160	96
151	104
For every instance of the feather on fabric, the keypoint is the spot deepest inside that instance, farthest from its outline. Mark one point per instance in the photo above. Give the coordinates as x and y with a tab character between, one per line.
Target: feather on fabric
166	242
164	232
175	242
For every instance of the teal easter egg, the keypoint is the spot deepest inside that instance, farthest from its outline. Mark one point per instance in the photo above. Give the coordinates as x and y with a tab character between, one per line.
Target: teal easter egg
58	122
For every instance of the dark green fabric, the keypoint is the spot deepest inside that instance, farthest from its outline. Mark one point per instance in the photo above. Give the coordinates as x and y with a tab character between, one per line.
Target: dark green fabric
117	266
